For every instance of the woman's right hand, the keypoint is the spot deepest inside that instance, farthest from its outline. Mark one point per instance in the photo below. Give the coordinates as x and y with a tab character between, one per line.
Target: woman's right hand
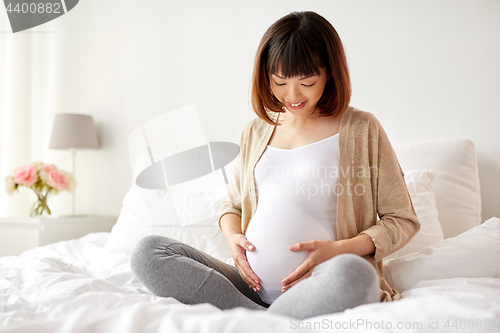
238	244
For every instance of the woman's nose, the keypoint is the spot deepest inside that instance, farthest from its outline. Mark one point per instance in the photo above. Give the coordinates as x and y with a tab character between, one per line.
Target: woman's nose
293	93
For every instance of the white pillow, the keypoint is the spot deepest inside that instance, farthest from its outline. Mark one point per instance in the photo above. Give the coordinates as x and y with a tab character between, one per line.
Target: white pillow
458	196
474	253
420	185
151	212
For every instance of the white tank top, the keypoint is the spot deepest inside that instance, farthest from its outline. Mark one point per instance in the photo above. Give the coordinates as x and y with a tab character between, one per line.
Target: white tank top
297	202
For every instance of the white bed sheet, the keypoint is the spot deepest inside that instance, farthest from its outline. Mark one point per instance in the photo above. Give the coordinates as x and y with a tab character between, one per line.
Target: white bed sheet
81	286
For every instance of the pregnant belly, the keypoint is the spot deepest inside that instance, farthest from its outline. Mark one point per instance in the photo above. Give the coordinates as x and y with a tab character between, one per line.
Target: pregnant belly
272	261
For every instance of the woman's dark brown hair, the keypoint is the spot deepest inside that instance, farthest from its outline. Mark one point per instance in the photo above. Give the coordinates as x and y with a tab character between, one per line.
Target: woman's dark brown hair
299	44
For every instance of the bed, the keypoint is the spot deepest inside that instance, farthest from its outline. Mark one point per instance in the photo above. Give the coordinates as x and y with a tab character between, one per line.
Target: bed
449	275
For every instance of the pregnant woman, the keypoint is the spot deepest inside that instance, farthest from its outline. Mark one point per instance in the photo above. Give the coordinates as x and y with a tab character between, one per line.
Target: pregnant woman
316	201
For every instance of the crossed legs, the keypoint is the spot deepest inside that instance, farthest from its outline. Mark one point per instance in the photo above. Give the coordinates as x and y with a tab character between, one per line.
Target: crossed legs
169	268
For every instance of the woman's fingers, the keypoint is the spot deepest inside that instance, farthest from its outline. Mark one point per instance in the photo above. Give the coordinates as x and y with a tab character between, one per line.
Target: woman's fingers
245	244
298	273
250	274
303	246
246	273
241	245
290	285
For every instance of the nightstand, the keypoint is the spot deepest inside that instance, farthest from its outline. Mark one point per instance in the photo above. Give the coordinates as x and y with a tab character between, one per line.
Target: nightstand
20	234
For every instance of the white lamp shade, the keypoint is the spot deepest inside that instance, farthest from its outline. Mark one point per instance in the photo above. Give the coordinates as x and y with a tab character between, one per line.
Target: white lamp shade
73	131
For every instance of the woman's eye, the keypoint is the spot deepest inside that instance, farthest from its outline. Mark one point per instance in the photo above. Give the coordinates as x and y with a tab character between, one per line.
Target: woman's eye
308	85
279	84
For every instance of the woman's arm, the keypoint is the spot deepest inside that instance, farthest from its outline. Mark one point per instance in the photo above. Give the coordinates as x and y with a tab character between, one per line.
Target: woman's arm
232	204
230	224
398	222
360	245
230	217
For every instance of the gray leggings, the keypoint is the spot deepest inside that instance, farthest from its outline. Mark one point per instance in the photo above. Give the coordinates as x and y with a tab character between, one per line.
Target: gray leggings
169	268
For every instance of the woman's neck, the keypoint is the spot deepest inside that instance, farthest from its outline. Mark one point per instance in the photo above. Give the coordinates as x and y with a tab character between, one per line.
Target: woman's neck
301	121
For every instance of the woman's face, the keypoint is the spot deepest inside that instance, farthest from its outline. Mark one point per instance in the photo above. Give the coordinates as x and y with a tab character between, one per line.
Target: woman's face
299	94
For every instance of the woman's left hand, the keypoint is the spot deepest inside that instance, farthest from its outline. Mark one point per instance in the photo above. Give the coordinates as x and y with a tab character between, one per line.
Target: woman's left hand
320	251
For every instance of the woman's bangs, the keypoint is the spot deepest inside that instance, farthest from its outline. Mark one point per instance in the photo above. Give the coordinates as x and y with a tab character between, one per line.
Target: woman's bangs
292	58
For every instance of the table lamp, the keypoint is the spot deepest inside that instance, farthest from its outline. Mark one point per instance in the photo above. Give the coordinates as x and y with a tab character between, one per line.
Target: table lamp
73	131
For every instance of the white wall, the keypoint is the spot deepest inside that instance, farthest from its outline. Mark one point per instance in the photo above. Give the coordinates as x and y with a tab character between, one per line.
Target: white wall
427	69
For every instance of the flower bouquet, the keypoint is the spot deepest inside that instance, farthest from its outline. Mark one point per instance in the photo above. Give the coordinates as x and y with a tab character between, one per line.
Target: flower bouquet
43	179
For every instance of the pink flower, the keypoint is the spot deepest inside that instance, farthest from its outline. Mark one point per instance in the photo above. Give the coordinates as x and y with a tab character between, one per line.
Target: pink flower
26	175
48	168
57	180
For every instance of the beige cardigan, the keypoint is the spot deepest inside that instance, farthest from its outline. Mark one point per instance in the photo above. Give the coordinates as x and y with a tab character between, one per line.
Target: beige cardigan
369	173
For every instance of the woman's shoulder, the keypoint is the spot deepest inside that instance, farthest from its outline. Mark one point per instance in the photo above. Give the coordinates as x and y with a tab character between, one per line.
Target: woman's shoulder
355	114
256	126
359	119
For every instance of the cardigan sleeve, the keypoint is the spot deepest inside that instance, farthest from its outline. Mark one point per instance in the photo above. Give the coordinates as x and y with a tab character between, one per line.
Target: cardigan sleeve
398	222
233	201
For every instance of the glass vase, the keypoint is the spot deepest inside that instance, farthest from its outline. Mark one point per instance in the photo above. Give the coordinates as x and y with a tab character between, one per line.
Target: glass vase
40	207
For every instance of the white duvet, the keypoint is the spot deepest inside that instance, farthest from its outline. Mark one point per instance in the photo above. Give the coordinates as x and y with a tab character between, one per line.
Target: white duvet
82	286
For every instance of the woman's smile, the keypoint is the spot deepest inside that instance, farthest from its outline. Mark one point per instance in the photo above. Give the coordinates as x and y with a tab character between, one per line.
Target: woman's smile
295	106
